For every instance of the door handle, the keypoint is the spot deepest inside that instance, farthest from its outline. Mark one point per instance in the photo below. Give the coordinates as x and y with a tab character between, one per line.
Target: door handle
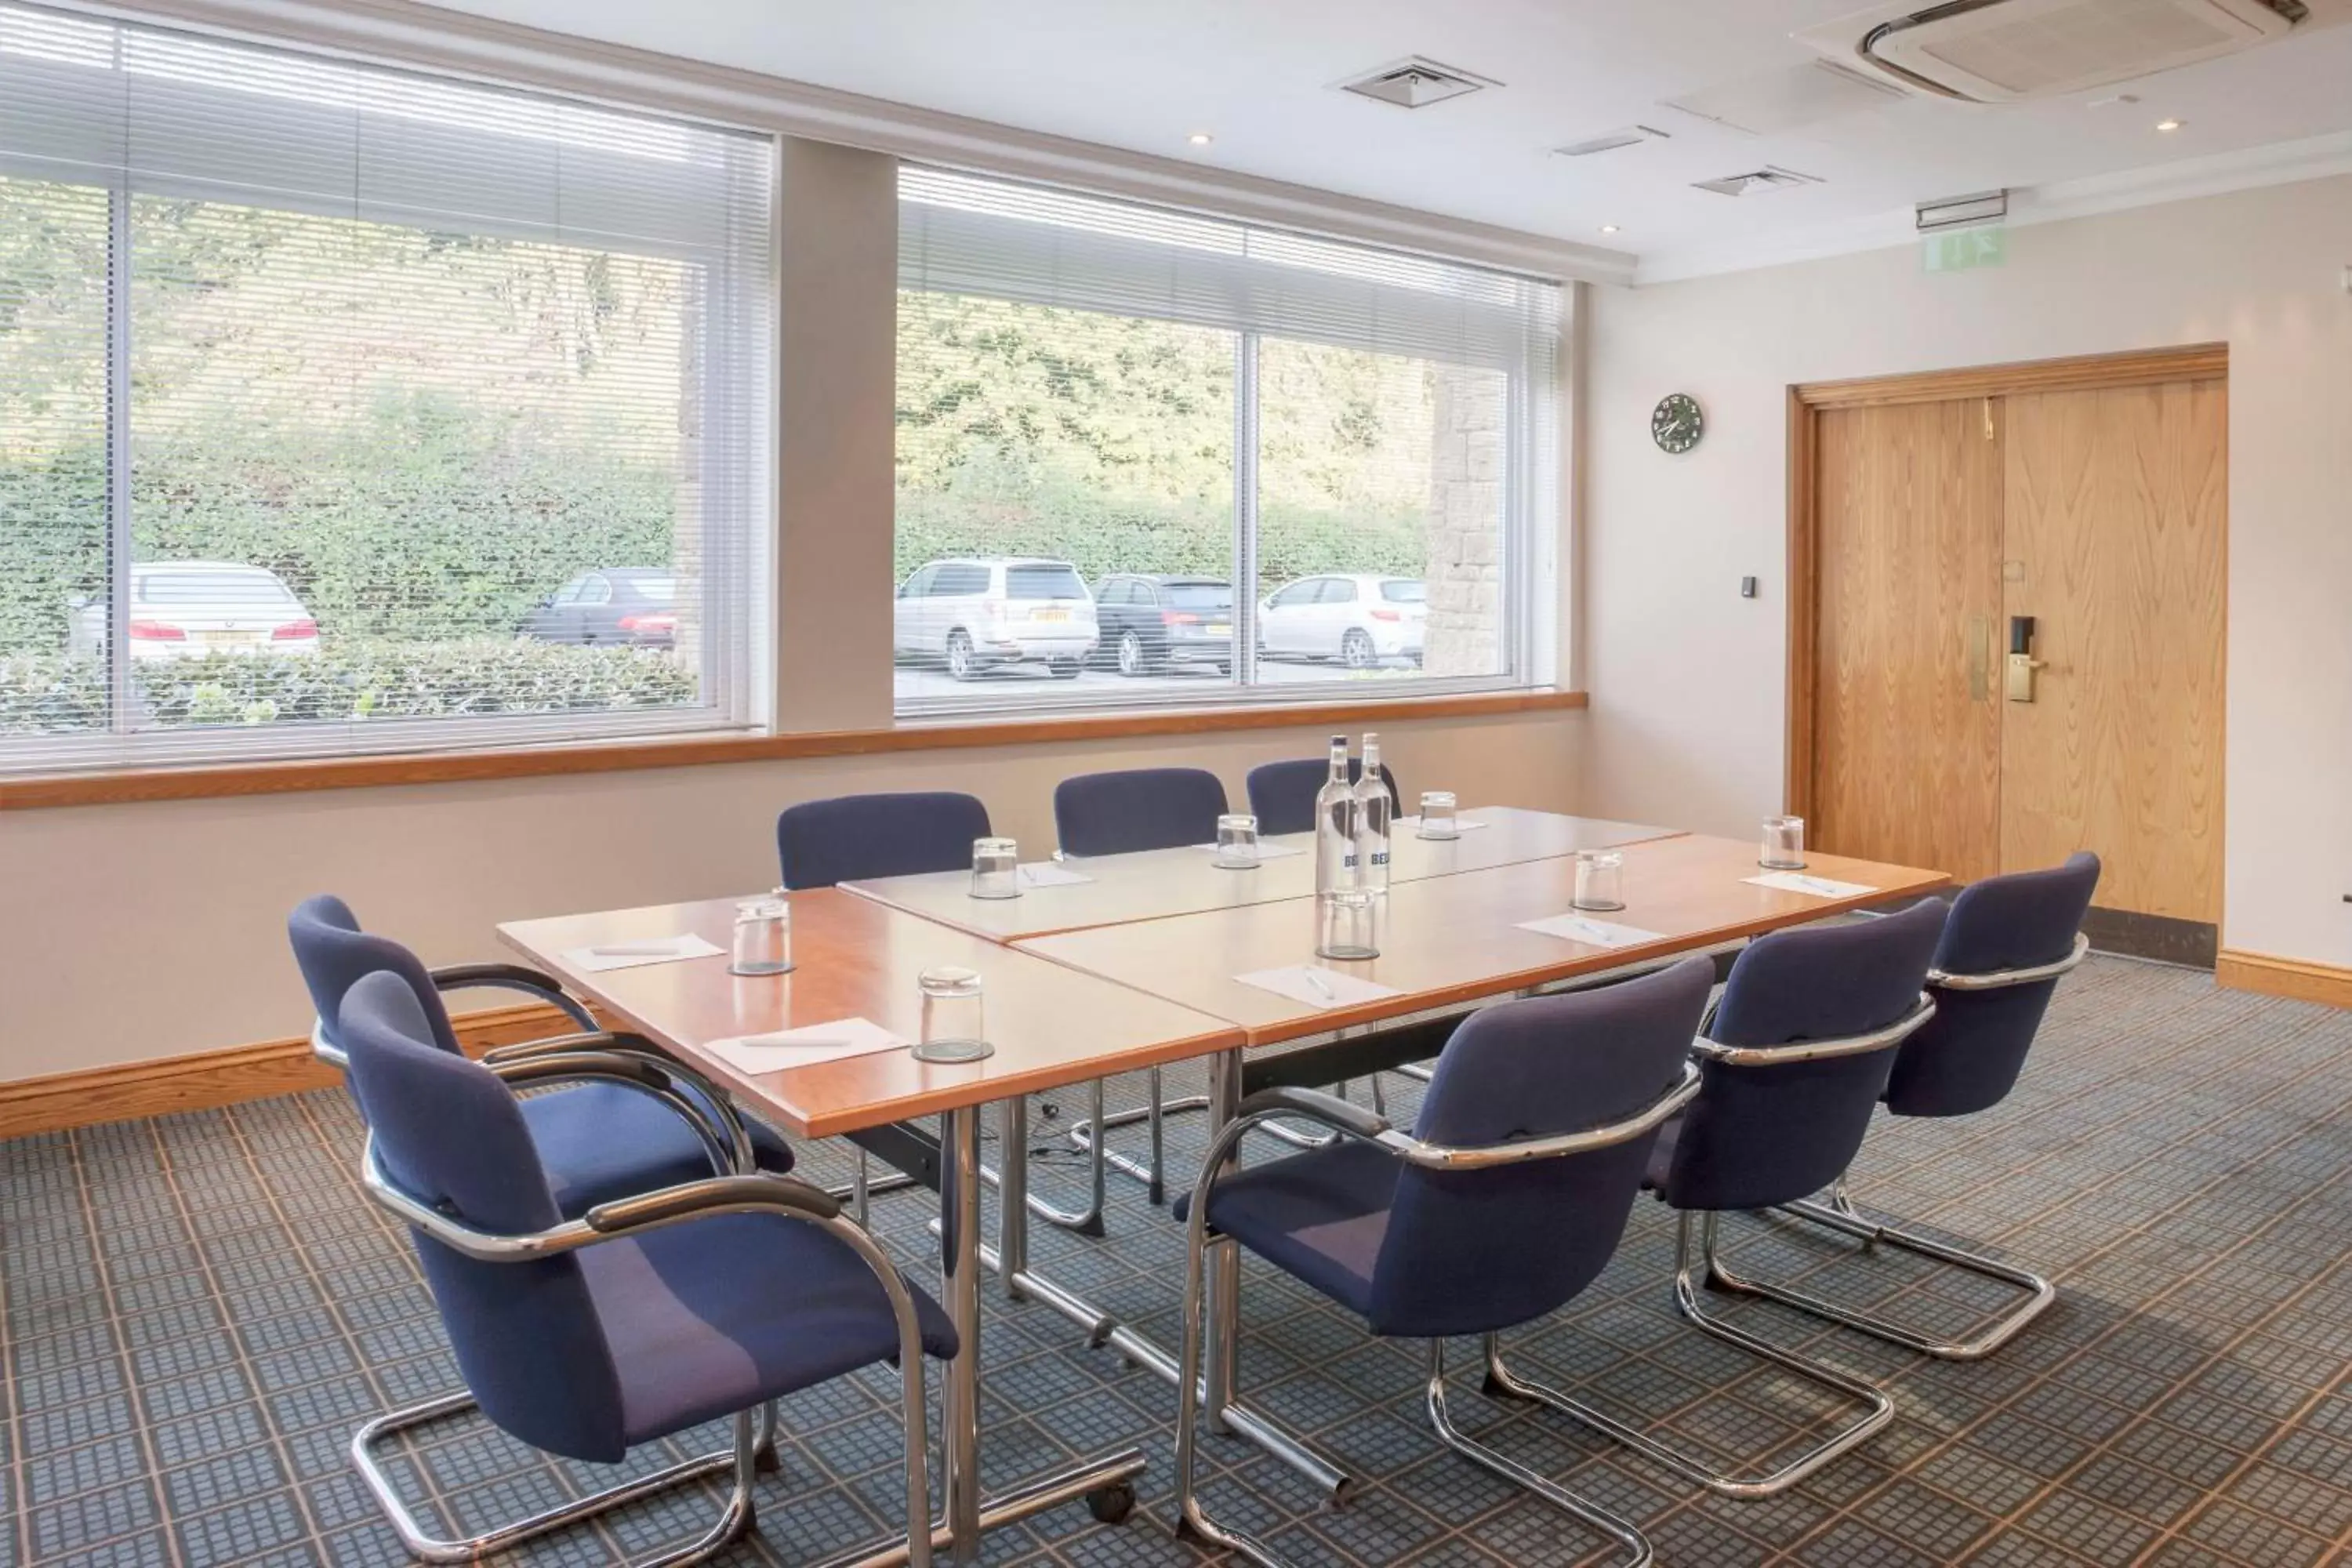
2021	662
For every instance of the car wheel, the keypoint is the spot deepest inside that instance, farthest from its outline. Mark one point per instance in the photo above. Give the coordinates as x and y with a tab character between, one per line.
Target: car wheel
1356	650
1131	659
961	664
1066	668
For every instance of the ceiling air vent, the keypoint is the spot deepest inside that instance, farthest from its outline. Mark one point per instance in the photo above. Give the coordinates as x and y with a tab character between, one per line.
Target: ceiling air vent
1609	141
1416	83
1771	177
1998	51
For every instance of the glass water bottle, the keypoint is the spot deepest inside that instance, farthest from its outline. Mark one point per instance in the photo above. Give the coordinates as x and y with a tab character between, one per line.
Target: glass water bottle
1335	826
1375	809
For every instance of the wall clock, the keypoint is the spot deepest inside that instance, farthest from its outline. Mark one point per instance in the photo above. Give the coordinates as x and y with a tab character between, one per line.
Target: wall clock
1676	424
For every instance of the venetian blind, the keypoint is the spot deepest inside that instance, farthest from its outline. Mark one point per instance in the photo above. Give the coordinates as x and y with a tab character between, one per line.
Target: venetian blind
343	407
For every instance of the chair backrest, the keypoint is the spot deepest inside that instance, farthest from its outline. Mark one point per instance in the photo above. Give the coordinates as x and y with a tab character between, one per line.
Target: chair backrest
1479	1250
851	837
333	954
1969	1055
1282	795
1141	808
450	1135
1769	1132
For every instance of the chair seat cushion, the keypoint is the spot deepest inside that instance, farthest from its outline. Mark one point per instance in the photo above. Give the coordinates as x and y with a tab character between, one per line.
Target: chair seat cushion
1320	1216
715	1315
605	1141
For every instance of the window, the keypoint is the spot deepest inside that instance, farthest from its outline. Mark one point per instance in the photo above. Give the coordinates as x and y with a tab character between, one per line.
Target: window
347	409
1349	453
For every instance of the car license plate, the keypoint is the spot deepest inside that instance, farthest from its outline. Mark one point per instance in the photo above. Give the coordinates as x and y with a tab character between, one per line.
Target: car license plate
1049	615
231	639
1220	631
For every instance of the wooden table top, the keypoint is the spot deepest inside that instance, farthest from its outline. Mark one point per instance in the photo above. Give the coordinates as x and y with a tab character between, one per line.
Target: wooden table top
1161	883
1454	939
1052	1024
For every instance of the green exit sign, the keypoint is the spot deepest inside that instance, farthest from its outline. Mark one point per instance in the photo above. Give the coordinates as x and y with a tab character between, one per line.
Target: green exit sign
1970	247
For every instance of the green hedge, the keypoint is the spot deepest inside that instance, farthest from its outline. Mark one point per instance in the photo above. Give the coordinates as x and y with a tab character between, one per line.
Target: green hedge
49	693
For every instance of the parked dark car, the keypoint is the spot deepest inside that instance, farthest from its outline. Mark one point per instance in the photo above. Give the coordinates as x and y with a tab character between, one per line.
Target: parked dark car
1153	623
618	606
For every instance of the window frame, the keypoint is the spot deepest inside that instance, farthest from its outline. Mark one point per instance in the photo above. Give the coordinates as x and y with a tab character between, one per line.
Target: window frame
1532	568
738	516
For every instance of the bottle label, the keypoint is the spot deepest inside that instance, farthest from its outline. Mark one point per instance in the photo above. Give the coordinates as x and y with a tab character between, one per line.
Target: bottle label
1380	857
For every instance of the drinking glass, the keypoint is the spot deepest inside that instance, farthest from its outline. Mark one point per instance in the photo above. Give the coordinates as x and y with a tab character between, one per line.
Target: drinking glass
1600	880
1346	924
763	936
1238	841
1784	844
1437	816
995	868
952	1028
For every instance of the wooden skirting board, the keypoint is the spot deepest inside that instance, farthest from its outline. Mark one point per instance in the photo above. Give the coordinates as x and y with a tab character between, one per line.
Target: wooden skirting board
2295	978
205	1079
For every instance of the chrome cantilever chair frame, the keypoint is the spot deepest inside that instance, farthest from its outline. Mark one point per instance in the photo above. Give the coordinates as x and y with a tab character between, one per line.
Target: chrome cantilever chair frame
743	1192
1840	1215
1347	1120
1880	1409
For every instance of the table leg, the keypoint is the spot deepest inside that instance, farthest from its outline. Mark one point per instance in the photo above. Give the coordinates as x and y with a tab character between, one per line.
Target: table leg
1220	1372
960	1276
1013	1193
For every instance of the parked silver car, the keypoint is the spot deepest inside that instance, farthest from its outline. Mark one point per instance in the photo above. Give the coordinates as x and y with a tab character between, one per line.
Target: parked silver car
185	610
974	614
1357	618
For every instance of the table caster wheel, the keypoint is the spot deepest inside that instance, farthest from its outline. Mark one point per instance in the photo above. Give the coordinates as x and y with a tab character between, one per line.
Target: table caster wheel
1111	1504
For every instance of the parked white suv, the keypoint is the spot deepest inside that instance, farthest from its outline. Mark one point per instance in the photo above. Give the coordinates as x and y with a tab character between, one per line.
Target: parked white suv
976	613
1356	618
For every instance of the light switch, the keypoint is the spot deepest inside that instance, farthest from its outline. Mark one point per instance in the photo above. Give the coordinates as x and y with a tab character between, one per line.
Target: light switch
1748	587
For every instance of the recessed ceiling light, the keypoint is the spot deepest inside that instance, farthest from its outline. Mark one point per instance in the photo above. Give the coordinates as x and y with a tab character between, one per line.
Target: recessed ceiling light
2169	124
1200	139
1609	228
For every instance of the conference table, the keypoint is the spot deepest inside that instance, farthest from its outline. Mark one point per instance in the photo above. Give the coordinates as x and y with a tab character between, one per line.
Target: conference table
1086	980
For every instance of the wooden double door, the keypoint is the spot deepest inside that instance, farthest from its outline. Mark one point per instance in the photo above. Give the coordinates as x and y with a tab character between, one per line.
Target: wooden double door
1937	527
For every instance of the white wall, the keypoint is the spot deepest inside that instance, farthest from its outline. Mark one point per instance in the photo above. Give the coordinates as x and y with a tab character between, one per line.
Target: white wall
1687	679
130	932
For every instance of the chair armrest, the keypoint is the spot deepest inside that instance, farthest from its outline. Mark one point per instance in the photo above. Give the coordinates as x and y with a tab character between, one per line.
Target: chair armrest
1999	979
1316	1106
511	977
1815	1050
717	1194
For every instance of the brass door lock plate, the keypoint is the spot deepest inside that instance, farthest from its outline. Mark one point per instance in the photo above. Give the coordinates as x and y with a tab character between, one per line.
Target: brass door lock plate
2021	666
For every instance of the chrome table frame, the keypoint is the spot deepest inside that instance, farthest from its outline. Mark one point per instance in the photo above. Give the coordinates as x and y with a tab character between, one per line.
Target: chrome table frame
1840	1215
1345	1120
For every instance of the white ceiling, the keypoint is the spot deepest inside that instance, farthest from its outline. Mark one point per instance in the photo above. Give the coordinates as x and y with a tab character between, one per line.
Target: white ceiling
1258	75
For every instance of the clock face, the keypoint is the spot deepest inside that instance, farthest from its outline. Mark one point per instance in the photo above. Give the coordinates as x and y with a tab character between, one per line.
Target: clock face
1676	424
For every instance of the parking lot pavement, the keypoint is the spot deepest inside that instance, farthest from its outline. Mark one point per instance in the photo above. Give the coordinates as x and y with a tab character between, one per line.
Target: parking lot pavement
1031	682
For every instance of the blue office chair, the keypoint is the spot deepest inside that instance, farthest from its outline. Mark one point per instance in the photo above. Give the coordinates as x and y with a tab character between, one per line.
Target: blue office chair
1506	1200
1141	808
854	838
1795	1058
1282	795
599	1141
591	1335
2008	940
1123	814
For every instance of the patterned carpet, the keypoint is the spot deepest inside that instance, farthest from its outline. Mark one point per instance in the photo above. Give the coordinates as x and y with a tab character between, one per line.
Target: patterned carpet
199	1309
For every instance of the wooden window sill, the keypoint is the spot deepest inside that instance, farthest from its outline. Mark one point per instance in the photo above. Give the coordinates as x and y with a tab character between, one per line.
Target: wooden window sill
36	793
